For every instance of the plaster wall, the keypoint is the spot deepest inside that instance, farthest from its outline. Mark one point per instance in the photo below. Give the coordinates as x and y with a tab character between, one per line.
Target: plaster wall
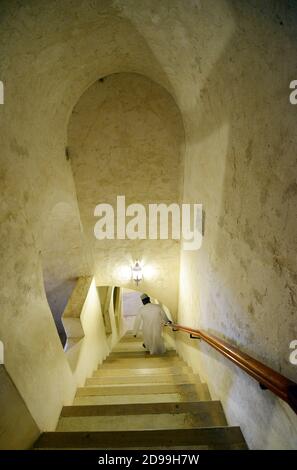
14	416
241	165
43	78
228	65
93	348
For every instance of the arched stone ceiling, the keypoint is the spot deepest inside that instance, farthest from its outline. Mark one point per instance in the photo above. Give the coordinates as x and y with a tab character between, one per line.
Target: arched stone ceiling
126	138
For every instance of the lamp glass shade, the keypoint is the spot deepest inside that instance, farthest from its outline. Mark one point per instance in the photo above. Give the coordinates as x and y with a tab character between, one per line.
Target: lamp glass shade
137	272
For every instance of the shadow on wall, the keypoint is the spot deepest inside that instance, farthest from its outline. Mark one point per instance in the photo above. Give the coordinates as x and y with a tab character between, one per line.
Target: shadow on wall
57	298
62	260
241	165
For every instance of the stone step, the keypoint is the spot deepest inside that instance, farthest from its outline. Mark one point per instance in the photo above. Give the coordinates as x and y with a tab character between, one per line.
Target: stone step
143	417
144	379
133	399
134	423
129	338
135	356
138	346
212	406
142	362
133	372
143	389
133	346
201	393
130	347
140	354
209	437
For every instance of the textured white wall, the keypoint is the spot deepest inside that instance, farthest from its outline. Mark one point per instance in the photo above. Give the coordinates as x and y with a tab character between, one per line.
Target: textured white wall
228	65
241	165
93	348
14	415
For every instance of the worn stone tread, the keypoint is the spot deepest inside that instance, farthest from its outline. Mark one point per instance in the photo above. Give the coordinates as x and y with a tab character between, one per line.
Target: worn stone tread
213	437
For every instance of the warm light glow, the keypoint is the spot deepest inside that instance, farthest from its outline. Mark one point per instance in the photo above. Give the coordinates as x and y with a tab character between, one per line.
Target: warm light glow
123	274
149	272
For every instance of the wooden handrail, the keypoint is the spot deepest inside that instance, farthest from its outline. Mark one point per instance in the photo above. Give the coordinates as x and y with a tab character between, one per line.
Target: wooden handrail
268	378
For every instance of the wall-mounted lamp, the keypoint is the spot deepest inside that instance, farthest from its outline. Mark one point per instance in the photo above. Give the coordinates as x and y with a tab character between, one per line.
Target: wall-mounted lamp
137	274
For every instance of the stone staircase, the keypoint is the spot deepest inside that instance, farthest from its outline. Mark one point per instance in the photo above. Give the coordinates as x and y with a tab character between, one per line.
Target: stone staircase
138	401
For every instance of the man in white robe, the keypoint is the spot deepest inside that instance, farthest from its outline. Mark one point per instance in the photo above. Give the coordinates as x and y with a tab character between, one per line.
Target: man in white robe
152	318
